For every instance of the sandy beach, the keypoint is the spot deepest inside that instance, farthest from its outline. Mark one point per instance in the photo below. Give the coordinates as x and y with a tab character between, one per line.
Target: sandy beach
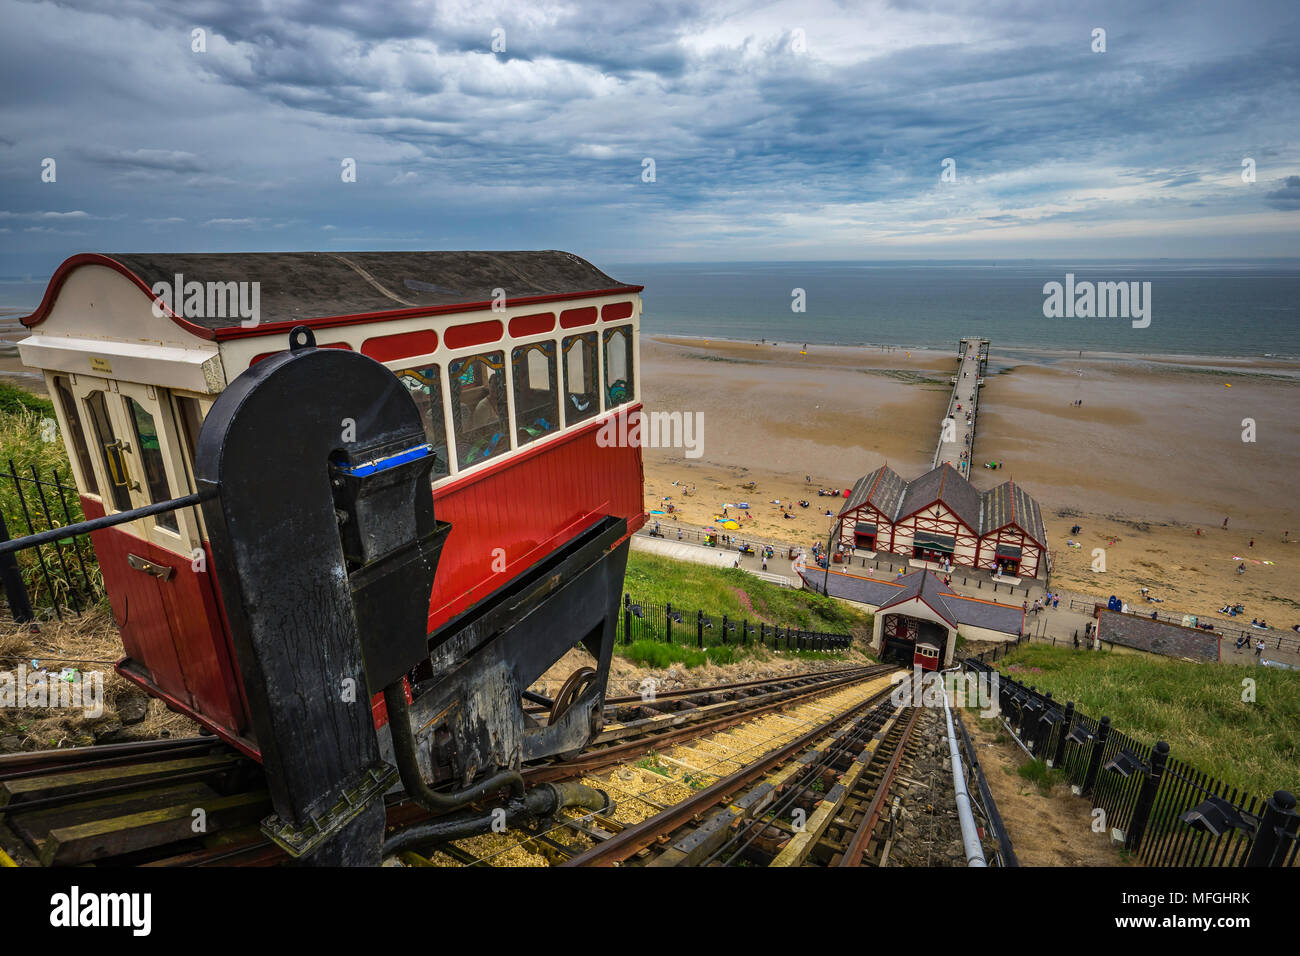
1154	453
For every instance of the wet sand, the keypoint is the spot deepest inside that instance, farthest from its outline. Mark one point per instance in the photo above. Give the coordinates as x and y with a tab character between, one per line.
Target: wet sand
1154	453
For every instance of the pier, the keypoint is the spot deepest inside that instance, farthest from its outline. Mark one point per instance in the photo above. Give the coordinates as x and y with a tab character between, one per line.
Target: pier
957	431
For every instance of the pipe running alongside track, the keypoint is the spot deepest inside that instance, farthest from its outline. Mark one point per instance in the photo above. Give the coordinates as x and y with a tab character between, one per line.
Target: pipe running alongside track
970	836
1006	852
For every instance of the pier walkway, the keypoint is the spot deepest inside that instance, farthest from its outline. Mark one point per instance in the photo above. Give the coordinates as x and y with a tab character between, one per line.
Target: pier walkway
957	432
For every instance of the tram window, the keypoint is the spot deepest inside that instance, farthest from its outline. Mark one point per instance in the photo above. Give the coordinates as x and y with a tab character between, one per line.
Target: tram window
110	448
151	457
619	387
479	412
425	387
190	417
580	384
78	434
537	404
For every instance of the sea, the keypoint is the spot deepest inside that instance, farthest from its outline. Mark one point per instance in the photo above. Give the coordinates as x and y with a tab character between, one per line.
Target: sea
1241	309
1212	308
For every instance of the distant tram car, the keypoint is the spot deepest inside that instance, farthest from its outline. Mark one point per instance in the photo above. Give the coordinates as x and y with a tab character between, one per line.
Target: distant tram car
926	656
521	364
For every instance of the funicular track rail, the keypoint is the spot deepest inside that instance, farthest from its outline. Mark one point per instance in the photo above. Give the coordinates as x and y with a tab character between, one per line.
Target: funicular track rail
745	687
779	760
126	781
803	803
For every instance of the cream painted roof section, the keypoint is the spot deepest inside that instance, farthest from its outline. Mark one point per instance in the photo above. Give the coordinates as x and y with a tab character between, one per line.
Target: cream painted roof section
101	324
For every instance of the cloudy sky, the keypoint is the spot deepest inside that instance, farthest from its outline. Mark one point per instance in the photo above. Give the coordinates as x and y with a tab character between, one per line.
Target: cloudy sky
800	130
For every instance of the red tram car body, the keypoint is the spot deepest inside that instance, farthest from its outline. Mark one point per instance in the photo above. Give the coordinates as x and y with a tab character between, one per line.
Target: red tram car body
926	656
538	351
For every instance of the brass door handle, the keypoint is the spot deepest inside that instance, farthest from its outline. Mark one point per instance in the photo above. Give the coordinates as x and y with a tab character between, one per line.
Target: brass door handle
161	571
117	470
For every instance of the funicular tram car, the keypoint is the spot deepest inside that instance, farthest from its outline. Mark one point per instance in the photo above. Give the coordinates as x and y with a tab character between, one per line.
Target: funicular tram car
516	361
926	656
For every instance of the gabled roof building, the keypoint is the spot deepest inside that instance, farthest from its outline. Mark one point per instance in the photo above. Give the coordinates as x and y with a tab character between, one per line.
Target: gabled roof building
941	517
918	607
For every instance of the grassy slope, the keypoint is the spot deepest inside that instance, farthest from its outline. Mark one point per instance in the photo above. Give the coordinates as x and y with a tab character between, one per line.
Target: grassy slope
738	594
1196	708
13	398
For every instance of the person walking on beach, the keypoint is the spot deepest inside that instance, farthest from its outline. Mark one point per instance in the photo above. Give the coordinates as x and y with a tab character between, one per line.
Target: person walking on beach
1056	601
1225	524
1259	647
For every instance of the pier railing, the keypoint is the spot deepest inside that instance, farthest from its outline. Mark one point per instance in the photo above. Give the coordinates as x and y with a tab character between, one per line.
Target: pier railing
1161	809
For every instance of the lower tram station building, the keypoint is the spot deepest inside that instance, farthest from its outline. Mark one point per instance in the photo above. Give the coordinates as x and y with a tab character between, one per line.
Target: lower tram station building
940	517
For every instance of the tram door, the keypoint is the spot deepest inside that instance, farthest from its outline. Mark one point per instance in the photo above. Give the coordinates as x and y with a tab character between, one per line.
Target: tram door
140	448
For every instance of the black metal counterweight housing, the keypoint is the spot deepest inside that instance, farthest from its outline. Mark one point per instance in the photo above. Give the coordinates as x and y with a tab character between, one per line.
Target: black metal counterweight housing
325	545
315	476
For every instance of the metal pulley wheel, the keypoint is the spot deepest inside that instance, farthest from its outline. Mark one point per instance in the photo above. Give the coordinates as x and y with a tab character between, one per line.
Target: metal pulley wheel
571	690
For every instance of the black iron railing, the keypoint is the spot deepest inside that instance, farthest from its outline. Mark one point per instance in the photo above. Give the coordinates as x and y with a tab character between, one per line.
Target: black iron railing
668	623
1163	810
57	569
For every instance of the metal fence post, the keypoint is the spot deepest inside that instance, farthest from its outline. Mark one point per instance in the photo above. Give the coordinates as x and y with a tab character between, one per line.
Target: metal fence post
20	605
627	619
699	629
1146	797
1277	831
724	629
1043	728
668	621
1094	759
1066	721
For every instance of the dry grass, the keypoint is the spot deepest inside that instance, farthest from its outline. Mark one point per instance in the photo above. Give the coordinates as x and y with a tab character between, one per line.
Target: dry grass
90	643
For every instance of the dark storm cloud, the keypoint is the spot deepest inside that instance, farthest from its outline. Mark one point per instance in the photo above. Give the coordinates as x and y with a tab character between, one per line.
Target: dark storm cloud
758	145
1288	197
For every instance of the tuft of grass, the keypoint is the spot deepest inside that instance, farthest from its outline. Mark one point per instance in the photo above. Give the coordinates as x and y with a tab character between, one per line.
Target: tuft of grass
1038	773
651	762
1198	709
657	654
